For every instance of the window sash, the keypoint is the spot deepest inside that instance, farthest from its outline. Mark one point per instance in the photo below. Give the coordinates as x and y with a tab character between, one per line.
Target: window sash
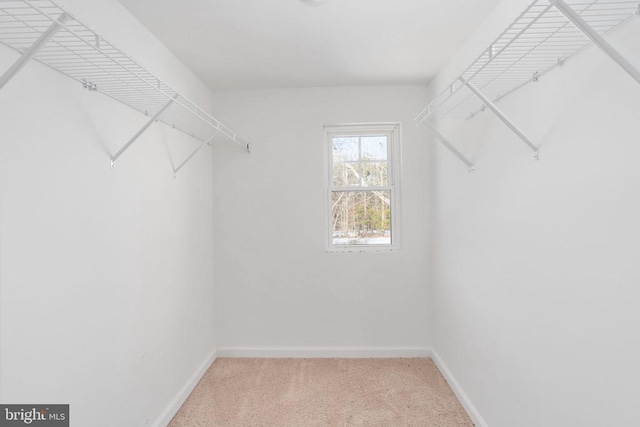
365	246
361	189
391	132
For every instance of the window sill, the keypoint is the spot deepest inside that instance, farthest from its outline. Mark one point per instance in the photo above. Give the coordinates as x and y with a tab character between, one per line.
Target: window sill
360	249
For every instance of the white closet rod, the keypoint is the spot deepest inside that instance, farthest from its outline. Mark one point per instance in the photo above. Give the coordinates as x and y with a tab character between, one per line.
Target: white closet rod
41	30
544	36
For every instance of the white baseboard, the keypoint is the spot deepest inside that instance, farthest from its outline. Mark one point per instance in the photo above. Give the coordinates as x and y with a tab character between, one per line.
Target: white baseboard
324	352
459	392
175	404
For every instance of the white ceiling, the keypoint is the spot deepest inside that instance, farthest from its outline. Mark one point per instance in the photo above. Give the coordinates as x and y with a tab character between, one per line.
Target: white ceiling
284	43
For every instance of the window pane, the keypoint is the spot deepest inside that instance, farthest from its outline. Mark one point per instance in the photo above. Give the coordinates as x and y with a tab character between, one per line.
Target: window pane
375	174
346	174
374	147
361	217
345	149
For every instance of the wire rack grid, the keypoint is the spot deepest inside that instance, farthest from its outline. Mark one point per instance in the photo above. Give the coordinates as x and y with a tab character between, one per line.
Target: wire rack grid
78	52
539	40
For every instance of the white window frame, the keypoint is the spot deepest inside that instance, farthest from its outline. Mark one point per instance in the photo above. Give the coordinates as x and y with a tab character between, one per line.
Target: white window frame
393	176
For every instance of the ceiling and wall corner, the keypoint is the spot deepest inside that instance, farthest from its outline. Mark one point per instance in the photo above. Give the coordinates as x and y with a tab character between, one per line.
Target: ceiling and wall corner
285	43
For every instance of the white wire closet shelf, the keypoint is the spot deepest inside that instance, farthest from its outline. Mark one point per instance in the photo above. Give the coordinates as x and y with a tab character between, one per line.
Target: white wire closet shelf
544	36
41	30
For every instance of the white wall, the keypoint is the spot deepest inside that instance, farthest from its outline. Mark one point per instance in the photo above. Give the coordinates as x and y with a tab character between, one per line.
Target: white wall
276	286
106	279
536	264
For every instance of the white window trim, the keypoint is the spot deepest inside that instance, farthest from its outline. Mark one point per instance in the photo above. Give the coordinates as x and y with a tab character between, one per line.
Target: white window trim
394	177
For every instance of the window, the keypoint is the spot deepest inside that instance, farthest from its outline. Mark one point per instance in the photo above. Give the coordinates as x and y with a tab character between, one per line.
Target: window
362	186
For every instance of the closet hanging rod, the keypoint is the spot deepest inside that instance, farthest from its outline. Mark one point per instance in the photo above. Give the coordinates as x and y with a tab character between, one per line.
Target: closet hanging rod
508	60
43	31
543	37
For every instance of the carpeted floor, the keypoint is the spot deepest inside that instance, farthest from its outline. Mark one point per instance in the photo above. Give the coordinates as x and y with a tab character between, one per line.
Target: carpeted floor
322	392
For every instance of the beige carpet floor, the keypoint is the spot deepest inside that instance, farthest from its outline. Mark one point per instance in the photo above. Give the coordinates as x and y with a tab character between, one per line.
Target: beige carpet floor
322	392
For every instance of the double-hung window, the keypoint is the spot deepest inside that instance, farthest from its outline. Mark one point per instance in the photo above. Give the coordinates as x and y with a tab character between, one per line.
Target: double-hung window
362	186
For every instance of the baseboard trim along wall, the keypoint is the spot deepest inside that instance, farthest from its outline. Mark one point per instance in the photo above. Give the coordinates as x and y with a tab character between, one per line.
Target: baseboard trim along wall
323	352
175	404
459	392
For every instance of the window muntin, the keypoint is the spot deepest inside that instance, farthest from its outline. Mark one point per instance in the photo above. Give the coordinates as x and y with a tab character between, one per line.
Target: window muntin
361	191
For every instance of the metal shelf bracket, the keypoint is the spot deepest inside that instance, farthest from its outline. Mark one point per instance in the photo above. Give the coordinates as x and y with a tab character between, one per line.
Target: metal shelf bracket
185	161
493	107
34	49
208	142
140	132
443	139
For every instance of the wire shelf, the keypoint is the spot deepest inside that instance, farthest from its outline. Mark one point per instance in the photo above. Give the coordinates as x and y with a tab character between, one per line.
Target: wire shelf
78	52
539	40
